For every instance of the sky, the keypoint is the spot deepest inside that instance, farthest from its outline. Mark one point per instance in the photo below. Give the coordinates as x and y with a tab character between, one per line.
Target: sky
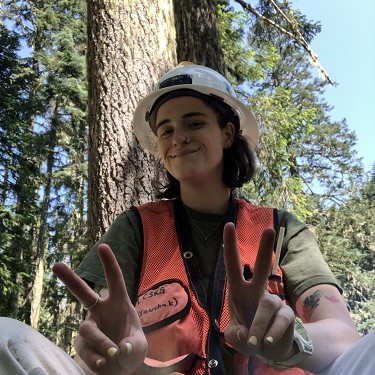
346	50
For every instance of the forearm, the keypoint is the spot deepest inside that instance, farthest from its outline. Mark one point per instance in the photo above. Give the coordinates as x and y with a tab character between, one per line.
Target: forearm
328	322
331	338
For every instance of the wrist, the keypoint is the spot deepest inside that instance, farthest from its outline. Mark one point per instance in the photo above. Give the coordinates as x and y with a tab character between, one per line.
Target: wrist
294	350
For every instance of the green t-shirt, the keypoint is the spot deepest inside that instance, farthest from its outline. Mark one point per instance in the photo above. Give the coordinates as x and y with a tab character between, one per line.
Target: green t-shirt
302	262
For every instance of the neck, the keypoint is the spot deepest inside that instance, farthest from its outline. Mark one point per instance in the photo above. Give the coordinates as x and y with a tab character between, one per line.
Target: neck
211	201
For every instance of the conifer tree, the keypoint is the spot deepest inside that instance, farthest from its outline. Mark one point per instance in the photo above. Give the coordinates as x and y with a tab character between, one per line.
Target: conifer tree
50	141
306	160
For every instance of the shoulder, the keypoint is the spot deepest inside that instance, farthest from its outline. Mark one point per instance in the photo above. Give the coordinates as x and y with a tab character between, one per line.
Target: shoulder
127	221
282	217
294	226
155	205
287	218
154	208
245	204
132	216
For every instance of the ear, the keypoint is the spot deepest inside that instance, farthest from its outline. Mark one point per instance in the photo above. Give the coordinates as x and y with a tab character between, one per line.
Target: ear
228	134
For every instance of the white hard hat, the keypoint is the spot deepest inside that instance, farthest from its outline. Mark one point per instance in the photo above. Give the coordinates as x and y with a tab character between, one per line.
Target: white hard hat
202	80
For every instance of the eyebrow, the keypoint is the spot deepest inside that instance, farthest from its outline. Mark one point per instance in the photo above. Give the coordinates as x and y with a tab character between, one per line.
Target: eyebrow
186	115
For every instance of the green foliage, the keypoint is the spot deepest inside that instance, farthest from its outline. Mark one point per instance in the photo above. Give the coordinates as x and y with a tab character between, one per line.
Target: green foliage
43	159
347	237
307	162
17	171
283	125
239	57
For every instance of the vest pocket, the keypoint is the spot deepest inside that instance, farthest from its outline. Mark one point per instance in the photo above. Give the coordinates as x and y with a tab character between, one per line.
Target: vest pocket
174	342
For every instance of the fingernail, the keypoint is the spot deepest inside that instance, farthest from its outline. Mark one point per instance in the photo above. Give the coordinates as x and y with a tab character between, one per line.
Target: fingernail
129	348
238	335
253	340
112	351
269	339
98	362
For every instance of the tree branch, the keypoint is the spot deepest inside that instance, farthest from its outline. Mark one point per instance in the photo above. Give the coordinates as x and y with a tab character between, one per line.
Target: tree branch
296	35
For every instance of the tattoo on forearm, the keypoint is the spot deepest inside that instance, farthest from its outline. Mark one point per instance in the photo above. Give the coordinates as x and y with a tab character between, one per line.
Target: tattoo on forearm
310	304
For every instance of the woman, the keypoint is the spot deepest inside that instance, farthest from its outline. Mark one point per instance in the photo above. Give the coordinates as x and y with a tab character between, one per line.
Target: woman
195	286
201	133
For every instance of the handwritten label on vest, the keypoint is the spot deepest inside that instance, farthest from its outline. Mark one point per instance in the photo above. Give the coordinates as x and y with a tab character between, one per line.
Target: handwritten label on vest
161	304
171	303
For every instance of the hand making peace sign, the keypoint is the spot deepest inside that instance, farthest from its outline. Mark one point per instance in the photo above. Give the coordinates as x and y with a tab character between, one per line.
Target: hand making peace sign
111	341
260	322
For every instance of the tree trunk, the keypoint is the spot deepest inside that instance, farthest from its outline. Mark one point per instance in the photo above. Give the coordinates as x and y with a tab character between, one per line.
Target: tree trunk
36	292
22	247
130	44
197	33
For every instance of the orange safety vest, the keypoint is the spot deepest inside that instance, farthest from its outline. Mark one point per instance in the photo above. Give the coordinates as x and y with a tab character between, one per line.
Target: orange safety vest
183	334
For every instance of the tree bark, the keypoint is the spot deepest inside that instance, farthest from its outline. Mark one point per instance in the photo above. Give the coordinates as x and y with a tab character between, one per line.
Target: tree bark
130	45
35	296
197	33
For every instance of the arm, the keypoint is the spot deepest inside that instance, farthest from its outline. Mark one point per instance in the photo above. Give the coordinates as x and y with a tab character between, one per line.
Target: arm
264	326
327	320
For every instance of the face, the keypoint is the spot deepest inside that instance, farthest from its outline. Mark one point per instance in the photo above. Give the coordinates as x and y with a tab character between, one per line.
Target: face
191	141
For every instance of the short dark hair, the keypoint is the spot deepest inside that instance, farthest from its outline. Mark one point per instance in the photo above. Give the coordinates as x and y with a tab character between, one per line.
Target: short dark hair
239	164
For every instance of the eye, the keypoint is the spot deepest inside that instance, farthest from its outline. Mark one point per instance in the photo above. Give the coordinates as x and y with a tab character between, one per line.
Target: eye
164	132
196	124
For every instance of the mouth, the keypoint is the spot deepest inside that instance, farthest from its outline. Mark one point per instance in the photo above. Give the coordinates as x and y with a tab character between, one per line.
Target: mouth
183	153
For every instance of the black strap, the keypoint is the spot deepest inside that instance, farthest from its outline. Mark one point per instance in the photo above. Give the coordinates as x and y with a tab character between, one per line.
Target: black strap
196	280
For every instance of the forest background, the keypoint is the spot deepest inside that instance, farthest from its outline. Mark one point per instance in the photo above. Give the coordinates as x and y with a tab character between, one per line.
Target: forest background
71	73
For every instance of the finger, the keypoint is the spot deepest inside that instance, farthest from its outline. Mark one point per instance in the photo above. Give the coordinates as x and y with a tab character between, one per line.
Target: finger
85	295
98	341
133	350
236	336
88	355
232	260
268	306
263	262
113	273
283	324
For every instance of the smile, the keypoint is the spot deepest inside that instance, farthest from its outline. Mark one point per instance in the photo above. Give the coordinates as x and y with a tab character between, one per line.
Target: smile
183	153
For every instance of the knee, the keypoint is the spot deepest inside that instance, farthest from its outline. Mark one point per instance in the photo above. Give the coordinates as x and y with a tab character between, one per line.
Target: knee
369	340
362	350
13	329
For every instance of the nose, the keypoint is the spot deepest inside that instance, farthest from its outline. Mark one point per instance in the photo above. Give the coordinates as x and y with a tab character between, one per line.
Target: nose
179	137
